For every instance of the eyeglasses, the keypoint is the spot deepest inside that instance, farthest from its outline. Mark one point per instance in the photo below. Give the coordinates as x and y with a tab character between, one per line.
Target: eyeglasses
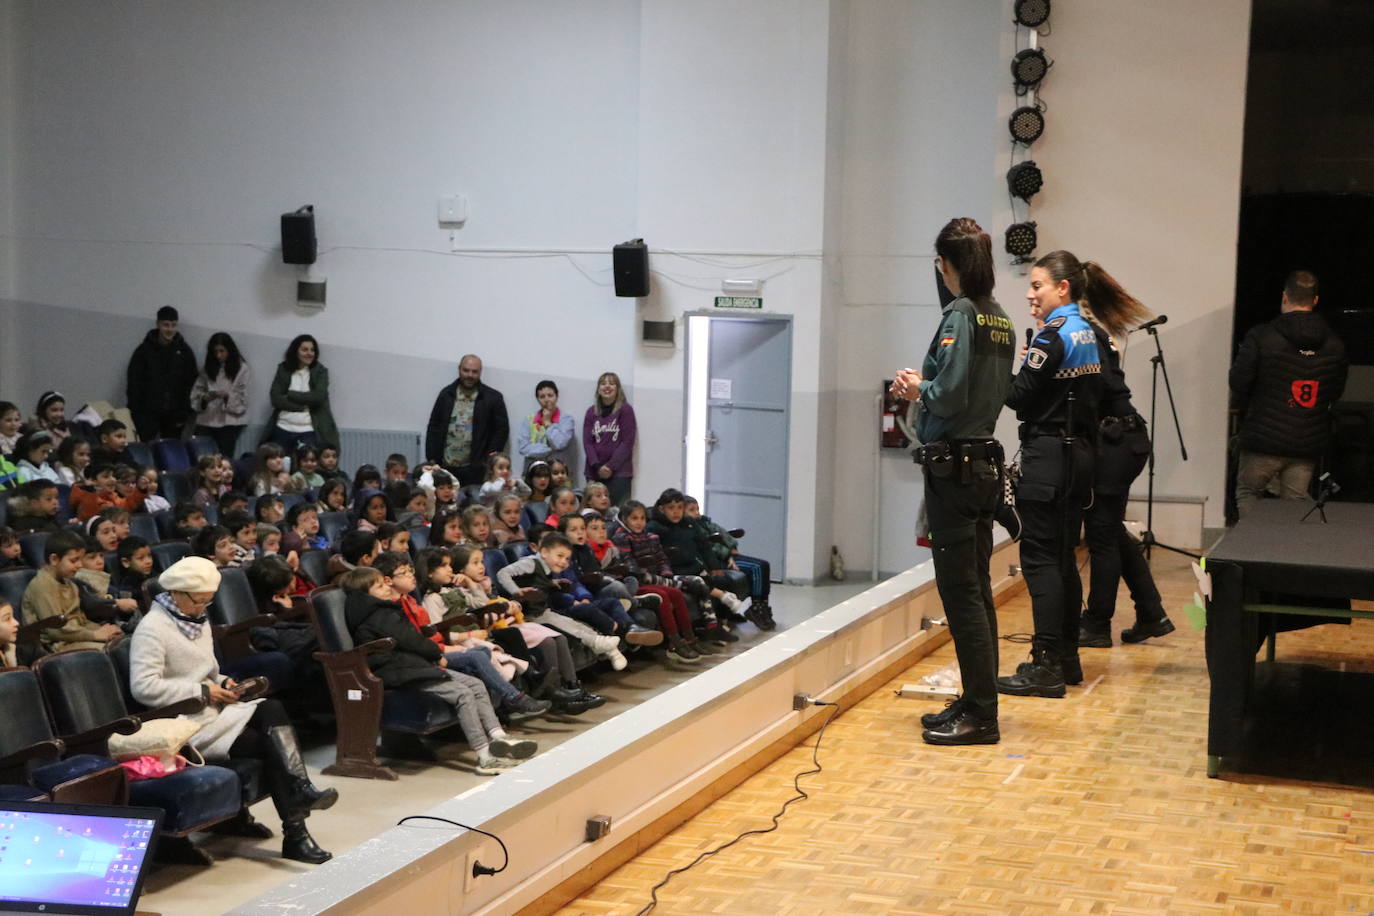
198	604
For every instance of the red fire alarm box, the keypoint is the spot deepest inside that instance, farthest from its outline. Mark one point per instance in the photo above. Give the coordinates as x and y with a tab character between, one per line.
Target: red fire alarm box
894	408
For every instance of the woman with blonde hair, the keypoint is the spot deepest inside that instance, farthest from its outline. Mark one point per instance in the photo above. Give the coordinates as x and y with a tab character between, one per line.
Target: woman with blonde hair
608	438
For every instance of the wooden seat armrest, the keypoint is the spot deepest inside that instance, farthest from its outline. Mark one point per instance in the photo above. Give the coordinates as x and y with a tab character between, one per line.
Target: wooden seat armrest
48	747
28	632
124	725
355	655
233	629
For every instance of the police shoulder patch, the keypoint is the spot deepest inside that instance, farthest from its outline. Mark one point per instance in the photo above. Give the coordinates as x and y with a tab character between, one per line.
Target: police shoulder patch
946	340
1056	322
1035	357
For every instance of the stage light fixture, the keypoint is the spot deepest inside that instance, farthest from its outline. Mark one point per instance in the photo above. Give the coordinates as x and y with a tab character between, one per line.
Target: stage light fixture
1026	124
1028	68
1024	180
1032	13
1021	240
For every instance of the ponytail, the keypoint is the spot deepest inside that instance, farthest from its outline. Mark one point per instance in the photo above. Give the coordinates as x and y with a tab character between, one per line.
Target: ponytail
1091	286
964	245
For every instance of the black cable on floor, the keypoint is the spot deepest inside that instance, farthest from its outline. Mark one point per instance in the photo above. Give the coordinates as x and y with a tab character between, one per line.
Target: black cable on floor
801	795
478	869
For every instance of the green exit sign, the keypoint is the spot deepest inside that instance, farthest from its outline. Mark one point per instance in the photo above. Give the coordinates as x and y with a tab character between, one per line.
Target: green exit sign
739	302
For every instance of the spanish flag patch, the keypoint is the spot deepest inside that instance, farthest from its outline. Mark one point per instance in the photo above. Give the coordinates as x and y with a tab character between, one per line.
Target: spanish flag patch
946	341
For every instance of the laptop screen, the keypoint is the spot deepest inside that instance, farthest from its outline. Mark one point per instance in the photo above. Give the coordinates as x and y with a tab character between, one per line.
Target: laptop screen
57	858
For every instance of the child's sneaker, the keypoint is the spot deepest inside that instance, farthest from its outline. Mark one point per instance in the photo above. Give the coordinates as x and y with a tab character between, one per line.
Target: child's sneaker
643	636
617	660
679	650
527	708
494	766
514	748
731	602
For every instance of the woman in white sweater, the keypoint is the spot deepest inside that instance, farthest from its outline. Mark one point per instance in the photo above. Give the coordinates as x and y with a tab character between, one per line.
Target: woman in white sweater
172	658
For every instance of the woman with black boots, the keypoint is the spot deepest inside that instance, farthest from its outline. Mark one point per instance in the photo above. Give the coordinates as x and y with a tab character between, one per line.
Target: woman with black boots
961	385
172	658
1123	449
1057	395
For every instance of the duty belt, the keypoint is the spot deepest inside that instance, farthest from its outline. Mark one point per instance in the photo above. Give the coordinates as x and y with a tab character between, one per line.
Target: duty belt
1031	430
963	449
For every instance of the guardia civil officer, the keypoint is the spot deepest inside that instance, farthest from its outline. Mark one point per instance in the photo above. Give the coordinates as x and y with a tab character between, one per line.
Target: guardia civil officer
1123	449
1055	395
961	387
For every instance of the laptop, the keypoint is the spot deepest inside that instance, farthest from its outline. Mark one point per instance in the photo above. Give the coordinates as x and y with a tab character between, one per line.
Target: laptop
74	859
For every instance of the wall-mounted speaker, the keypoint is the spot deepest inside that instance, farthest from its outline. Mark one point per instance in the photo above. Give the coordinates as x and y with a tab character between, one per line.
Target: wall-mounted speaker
298	236
630	261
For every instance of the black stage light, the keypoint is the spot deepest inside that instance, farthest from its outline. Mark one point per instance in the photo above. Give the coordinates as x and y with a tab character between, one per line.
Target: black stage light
1028	68
1026	125
1021	240
1024	180
1032	13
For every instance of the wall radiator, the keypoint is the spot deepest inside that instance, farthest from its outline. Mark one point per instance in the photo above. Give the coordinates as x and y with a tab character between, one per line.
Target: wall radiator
358	446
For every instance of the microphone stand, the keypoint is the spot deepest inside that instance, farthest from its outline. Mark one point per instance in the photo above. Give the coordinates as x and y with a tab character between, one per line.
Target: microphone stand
1158	368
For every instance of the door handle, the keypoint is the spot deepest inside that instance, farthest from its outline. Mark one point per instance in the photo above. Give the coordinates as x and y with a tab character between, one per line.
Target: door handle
711	440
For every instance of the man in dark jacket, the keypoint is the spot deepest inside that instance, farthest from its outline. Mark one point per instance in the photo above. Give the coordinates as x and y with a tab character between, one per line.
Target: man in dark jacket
161	373
467	424
1285	377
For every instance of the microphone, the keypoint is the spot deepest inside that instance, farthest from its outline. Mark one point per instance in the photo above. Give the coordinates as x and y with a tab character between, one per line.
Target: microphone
1030	335
1150	324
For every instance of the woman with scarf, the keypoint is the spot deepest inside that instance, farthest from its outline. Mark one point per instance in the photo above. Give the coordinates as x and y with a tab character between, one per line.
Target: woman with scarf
546	434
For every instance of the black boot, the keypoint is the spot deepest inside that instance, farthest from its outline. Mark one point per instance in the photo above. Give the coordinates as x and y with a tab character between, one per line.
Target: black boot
1039	677
301	792
1144	630
945	716
586	696
299	845
967	727
568	701
760	615
243	824
1071	668
1094	633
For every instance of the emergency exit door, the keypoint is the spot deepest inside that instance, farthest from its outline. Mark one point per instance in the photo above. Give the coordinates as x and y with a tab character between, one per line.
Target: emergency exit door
739	392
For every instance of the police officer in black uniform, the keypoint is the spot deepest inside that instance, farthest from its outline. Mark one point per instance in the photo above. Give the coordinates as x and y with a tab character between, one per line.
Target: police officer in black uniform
961	387
1123	449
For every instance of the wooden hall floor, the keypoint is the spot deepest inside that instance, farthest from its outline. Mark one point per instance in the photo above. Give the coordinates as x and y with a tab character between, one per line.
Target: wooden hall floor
1098	803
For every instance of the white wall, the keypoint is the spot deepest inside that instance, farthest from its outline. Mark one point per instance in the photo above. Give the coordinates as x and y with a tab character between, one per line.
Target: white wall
1142	156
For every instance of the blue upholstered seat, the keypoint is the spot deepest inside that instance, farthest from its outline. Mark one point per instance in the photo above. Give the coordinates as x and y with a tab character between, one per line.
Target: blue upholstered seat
196	796
51	775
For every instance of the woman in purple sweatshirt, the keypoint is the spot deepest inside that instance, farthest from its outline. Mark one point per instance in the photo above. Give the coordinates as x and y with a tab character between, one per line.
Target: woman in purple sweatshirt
608	438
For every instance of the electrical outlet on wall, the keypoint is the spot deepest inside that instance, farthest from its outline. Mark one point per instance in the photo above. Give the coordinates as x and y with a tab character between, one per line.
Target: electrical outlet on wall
474	856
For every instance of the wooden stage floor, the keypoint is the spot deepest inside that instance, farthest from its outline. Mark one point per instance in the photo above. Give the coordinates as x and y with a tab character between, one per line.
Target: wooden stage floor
1097	803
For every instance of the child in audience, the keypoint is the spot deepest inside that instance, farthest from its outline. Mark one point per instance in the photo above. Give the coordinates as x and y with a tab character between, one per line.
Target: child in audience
442	489
635	540
98	602
226	474
723	548
477	527
416	663
232	501
303	529
467	592
100	492
11	422
370	508
31	457
135	565
397	467
188	518
35	507
207	477
329	463
214	543
126	485
112	443
532	579
13	655
146	482
467	652
447	530
500	480
536	509
356	548
269	539
53	593
9	473
505	526
244	530
104	531
673	616
414	511
119	517
271	477
559	474
73	458
597	496
688	550
51	417
562	501
11	551
333	496
367	477
269	510
392	537
307	475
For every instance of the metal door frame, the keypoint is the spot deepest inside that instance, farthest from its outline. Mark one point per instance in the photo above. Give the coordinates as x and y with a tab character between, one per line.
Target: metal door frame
766	317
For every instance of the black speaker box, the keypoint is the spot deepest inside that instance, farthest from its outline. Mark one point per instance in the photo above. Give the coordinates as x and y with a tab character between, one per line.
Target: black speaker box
630	261
298	236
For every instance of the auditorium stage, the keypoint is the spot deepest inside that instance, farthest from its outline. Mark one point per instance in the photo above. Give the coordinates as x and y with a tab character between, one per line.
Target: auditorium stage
1098	803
